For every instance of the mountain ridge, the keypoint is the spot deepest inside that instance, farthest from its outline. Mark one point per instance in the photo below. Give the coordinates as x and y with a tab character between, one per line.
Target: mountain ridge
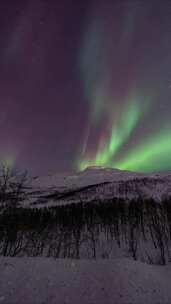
97	183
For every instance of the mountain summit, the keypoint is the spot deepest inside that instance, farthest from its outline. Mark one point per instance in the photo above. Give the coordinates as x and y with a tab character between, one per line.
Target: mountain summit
97	183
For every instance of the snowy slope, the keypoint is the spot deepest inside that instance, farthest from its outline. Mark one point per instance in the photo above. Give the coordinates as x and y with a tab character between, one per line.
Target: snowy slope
90	176
97	183
49	281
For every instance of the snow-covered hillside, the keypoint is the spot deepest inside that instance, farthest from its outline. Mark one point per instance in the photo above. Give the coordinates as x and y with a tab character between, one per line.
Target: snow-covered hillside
90	176
97	183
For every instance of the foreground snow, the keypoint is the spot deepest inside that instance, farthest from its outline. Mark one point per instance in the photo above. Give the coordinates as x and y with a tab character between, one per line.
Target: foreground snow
48	281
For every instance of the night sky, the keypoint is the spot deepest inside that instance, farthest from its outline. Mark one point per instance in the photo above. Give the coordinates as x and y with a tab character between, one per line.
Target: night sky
85	83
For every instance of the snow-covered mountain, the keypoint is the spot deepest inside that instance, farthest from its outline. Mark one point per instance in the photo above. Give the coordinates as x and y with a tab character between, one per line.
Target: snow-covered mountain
97	183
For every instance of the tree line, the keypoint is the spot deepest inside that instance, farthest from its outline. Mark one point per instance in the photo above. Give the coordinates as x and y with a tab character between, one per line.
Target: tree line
86	229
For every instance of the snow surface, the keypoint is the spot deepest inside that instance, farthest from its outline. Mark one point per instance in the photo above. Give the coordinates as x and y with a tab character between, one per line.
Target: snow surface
90	176
49	281
96	183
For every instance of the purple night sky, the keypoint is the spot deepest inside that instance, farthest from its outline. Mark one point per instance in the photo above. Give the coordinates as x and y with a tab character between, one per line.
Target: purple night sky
46	107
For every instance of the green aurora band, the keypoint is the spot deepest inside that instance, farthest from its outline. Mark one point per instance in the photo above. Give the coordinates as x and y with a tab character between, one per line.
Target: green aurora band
151	154
119	135
96	73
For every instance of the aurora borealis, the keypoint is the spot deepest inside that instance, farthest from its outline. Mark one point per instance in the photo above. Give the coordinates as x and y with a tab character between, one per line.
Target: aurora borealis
126	102
85	83
152	155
